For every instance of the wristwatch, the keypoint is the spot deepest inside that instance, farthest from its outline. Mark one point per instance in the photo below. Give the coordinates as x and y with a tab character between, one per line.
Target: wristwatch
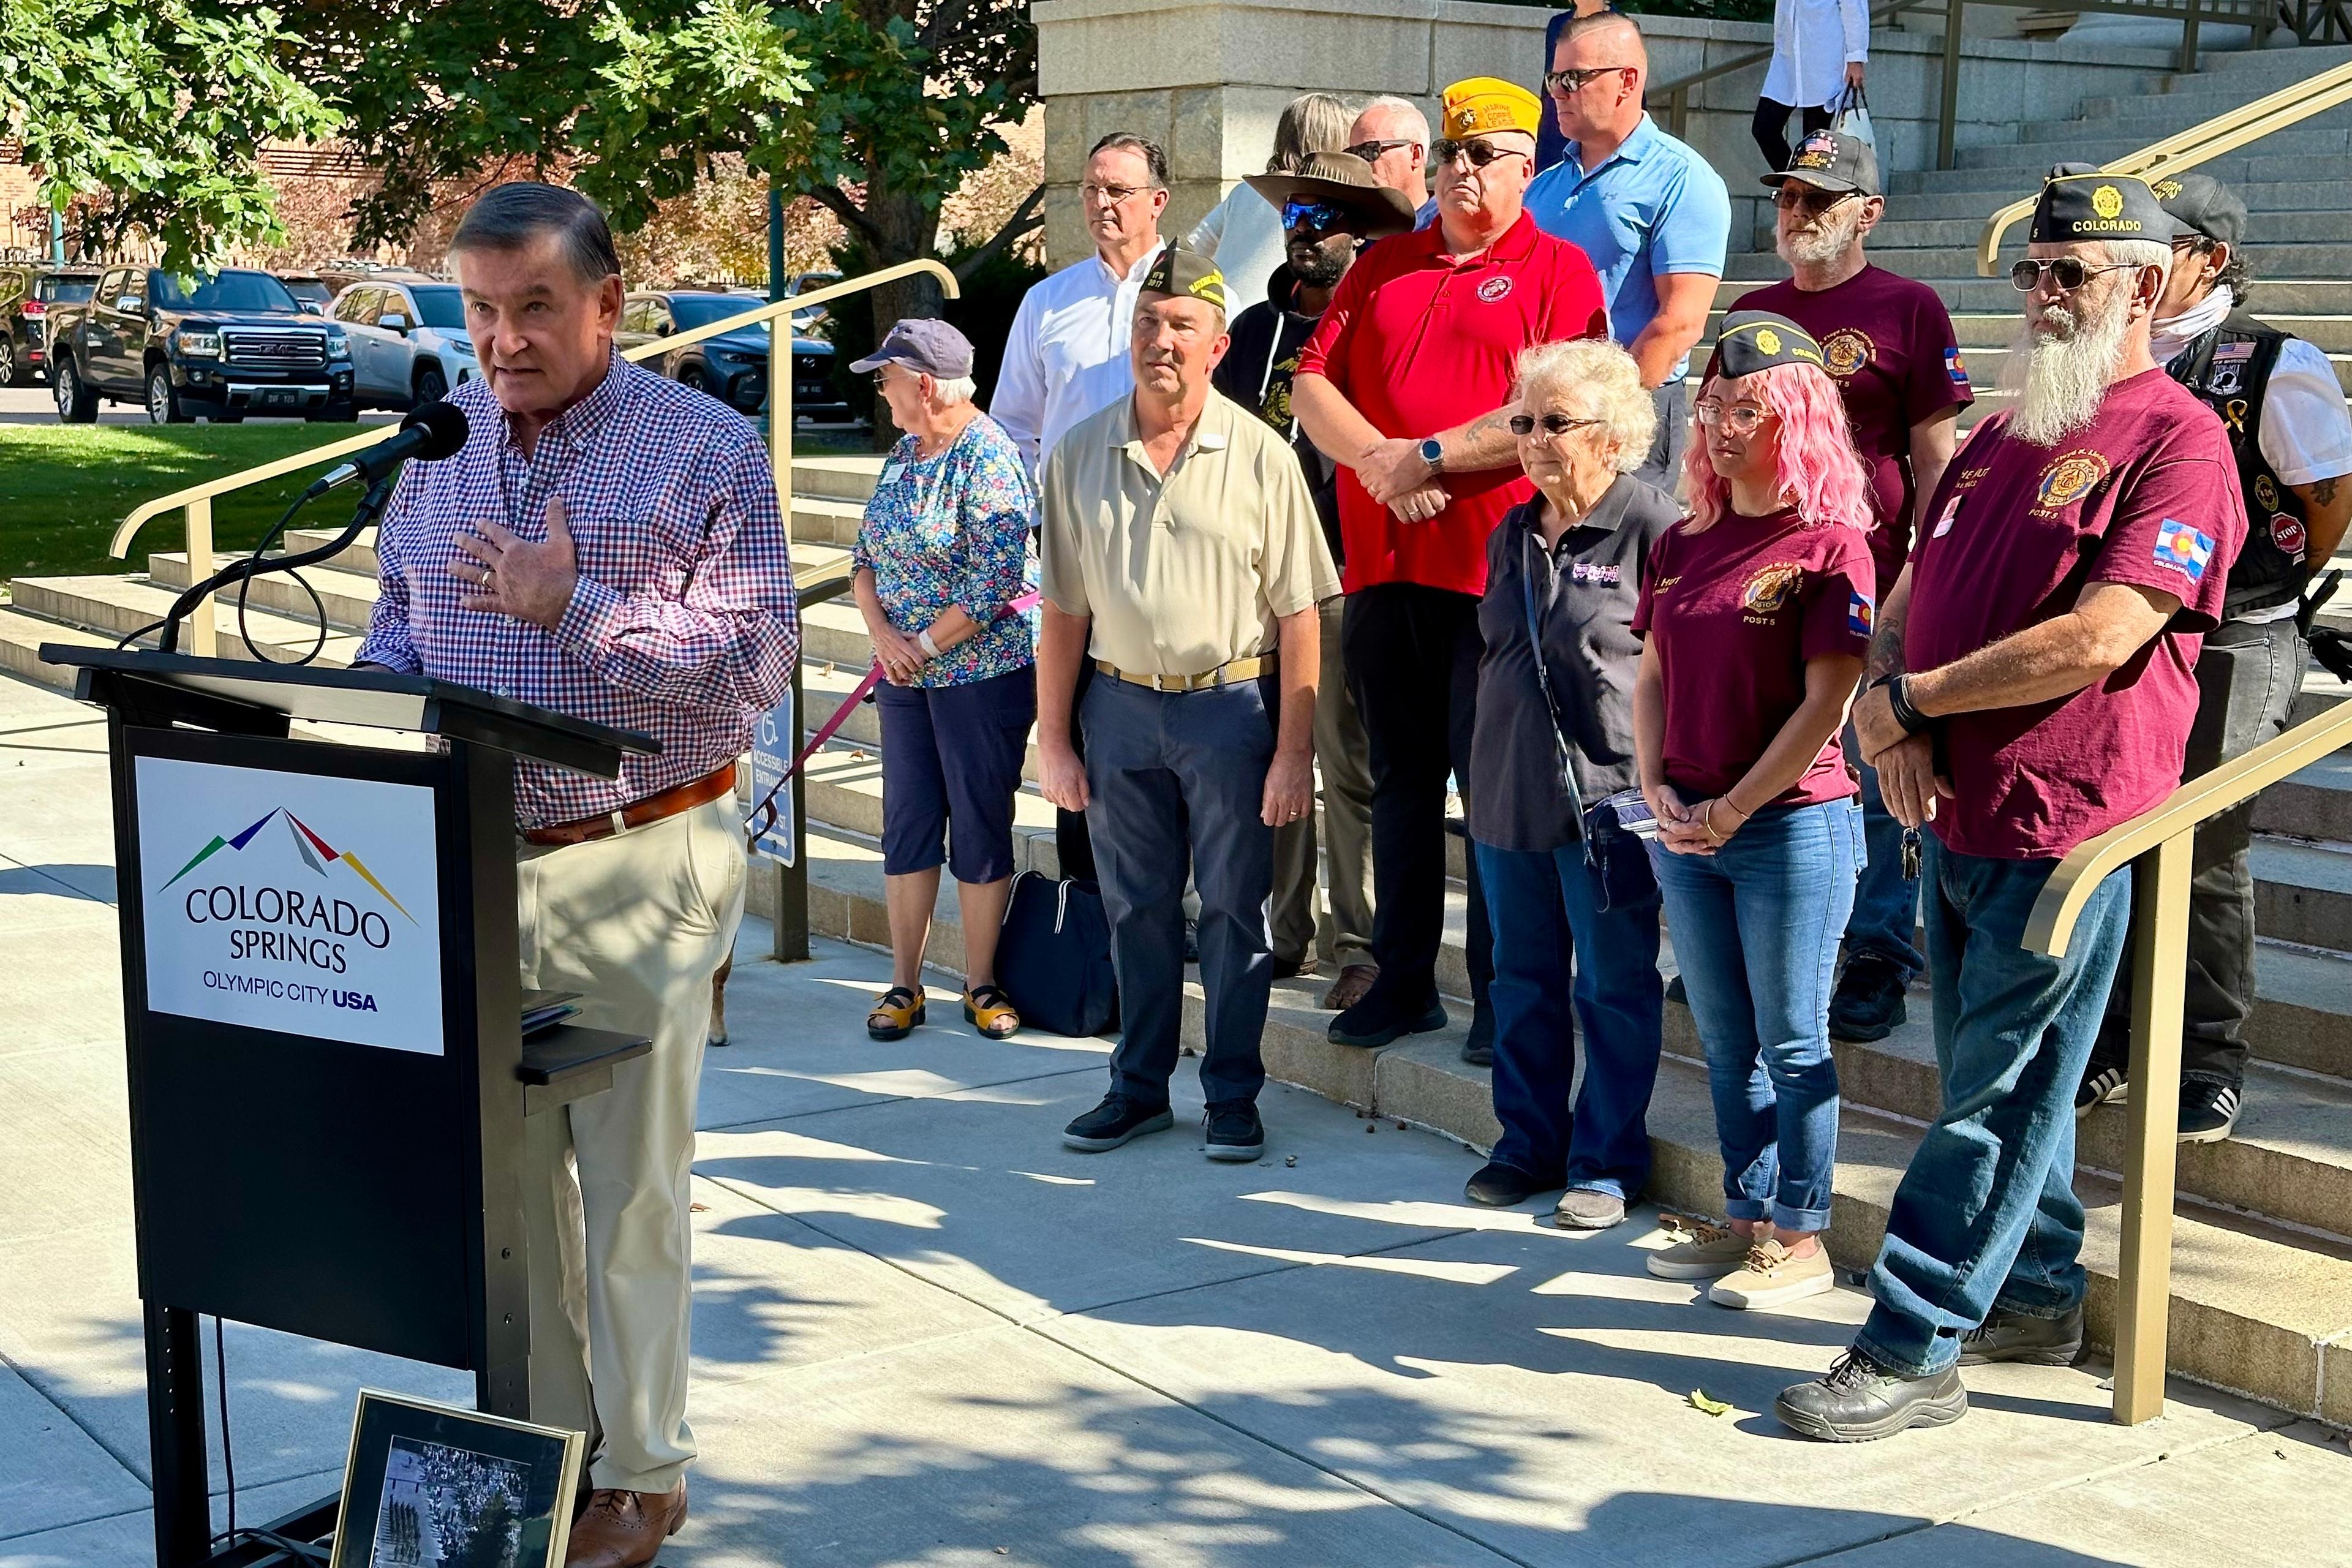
1432	452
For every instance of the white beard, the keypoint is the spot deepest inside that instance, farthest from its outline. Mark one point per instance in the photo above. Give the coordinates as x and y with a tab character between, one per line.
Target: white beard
2061	375
1828	239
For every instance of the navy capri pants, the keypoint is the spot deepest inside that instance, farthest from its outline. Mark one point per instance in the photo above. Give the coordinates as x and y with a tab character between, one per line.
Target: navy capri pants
952	754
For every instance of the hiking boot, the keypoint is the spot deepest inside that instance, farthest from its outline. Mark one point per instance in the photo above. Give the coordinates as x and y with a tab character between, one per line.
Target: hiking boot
1499	1187
2019	1336
1583	1208
1232	1131
1703	1252
1381	1018
1860	1402
1868	1001
2208	1110
1478	1051
1772	1276
1113	1123
2103	1080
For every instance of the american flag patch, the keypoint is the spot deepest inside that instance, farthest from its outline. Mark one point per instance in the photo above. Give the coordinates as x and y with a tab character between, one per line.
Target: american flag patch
2182	548
1859	616
1956	370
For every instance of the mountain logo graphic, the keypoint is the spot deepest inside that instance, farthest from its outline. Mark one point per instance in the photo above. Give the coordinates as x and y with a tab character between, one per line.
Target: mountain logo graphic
315	851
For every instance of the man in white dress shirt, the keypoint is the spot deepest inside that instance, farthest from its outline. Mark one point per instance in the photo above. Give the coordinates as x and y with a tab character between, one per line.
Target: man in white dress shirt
1066	355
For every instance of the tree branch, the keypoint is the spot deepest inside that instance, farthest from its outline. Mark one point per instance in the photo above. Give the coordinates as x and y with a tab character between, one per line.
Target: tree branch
1027	216
848	212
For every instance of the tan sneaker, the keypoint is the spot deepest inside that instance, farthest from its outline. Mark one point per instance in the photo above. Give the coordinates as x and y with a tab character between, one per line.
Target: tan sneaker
1773	1276
1703	1251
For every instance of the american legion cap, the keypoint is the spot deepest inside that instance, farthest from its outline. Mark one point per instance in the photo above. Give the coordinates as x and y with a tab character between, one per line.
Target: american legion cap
1751	340
1181	269
2080	202
1832	160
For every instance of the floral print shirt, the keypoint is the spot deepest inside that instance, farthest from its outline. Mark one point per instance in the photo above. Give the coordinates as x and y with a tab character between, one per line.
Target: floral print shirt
953	530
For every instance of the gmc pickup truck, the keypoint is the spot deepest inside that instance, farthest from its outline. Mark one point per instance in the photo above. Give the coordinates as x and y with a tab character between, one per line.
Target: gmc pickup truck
219	347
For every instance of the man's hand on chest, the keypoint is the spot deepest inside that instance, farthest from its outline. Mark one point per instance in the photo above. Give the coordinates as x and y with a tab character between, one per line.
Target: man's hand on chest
511	575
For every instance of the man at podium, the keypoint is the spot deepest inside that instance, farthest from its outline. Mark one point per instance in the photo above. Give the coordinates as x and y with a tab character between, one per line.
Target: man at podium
608	544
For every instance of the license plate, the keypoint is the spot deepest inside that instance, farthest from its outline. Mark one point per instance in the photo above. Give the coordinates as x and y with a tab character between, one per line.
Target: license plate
279	394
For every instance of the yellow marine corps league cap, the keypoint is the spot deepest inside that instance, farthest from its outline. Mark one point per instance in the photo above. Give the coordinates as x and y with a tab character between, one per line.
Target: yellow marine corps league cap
2080	203
1181	269
1483	103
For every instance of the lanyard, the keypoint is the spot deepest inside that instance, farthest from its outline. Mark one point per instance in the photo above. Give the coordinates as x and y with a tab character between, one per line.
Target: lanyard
1543	673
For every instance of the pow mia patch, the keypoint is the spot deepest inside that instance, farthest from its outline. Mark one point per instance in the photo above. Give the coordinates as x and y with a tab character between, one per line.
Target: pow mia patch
2228	377
1493	289
1767	590
2068	479
1846	350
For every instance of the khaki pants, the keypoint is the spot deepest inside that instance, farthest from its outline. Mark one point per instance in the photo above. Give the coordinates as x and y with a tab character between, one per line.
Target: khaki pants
1345	768
637	923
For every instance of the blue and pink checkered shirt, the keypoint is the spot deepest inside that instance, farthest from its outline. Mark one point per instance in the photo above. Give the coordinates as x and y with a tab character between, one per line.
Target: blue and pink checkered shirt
683	626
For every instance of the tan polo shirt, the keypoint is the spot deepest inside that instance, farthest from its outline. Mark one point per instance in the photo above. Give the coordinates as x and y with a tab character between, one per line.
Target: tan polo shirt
1185	573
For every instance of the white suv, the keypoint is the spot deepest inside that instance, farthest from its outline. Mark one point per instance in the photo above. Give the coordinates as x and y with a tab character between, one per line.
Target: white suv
408	339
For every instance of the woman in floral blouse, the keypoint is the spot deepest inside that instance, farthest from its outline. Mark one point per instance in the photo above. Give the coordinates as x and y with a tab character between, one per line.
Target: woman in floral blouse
939	557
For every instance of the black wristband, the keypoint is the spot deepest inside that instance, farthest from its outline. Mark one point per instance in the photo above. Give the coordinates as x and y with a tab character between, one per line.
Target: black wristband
1899	701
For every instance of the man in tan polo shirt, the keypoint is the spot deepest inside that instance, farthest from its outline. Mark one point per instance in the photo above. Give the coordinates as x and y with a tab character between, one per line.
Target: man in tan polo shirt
1183	556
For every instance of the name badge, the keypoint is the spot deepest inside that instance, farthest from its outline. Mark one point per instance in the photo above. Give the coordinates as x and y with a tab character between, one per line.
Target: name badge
891	470
1944	523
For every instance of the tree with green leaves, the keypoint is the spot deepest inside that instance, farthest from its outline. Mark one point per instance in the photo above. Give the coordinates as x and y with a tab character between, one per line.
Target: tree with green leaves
155	113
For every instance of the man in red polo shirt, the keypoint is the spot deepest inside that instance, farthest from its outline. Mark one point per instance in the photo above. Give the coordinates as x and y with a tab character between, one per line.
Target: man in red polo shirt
1406	385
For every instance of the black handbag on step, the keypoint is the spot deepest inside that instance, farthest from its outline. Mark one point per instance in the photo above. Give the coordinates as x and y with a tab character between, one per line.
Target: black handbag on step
1053	956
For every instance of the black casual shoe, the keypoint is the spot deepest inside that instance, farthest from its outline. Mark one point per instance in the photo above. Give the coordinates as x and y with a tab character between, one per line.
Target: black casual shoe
1292	968
2208	1110
1868	1001
1113	1123
2016	1336
1860	1402
1676	991
1233	1132
1499	1186
2105	1080
1380	1018
1478	1051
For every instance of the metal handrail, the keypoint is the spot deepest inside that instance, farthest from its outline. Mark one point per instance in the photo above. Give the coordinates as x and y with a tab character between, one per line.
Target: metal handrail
196	501
2222	133
2162	843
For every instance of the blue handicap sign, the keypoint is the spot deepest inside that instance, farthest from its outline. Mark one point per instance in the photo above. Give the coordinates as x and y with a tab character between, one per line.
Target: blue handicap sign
774	738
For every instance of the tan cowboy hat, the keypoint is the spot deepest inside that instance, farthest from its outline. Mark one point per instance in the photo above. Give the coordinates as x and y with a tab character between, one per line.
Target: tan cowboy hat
1346	179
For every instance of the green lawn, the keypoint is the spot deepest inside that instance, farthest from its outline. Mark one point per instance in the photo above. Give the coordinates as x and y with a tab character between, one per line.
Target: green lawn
64	489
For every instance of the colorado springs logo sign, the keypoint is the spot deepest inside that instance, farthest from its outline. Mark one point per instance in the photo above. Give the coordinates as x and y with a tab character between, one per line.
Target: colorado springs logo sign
284	924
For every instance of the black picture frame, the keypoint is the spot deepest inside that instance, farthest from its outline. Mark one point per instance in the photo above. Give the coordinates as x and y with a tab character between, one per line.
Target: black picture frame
429	1485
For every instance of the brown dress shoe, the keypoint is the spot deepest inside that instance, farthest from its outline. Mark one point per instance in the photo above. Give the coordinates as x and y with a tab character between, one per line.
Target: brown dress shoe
624	1530
1354	980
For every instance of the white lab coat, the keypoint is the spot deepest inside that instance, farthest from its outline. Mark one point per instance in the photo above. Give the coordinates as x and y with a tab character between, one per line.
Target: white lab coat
1812	42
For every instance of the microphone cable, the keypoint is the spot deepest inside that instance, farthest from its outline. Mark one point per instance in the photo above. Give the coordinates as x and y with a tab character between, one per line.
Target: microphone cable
304	1552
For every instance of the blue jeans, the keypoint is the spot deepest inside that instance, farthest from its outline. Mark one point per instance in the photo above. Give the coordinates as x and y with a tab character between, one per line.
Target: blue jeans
1756	929
1548	928
1986	1219
1885	918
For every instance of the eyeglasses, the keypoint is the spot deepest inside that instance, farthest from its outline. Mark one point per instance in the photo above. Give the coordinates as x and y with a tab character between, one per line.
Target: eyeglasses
1794	197
1553	423
1480	154
2068	272
1369	150
1562	84
1740	418
1112	196
1322	217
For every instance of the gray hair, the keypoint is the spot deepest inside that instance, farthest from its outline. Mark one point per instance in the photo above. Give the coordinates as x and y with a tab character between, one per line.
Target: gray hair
1155	160
1414	119
510	217
1311	122
948	391
2134	252
1610	374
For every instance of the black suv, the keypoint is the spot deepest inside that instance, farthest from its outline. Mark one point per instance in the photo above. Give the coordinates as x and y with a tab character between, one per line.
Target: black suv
28	289
733	366
217	347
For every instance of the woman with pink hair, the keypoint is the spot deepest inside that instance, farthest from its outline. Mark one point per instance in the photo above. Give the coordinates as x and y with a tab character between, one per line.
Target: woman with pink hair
1756	614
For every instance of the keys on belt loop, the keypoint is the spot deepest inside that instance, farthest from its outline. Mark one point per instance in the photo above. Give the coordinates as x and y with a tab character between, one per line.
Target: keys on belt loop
1910	854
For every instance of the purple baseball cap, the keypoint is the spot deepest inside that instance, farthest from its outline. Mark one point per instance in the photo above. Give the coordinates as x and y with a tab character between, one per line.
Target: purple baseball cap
922	343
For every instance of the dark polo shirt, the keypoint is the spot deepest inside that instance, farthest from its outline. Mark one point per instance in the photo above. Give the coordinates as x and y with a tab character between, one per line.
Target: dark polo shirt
1586	591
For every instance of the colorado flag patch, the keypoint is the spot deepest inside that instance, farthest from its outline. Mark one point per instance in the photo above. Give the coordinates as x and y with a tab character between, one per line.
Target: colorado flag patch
1957	371
1858	617
2182	548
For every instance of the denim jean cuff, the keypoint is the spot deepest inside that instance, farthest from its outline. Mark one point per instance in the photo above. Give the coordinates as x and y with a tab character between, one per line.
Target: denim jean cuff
1611	1189
1787	1218
1947	1351
1745	1208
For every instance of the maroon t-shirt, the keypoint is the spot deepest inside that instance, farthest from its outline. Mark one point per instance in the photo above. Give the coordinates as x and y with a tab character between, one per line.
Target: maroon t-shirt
2148	495
1735	611
1887	341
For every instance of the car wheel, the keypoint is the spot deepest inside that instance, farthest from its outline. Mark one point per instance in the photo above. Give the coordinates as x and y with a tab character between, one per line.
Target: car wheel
694	377
11	372
432	387
163	402
76	404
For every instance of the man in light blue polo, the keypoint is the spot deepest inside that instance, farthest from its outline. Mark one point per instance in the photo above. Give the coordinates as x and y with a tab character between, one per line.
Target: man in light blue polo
1648	211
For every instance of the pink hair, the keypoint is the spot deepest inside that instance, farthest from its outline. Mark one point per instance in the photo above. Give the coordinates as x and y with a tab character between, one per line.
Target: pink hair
1821	475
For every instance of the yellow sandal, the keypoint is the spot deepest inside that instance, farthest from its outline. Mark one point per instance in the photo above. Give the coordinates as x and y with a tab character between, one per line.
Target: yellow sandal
988	1009
896	1013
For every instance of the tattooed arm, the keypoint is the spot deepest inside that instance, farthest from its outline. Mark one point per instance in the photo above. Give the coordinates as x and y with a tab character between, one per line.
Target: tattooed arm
2326	508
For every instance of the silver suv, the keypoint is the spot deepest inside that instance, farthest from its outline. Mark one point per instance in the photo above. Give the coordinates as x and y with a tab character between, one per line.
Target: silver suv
408	339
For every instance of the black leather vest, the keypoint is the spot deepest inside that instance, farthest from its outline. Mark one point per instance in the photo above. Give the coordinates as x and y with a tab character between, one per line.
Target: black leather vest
2229	368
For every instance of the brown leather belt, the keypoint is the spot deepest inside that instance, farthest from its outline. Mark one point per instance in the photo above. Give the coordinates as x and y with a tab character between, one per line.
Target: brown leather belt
720	781
1239	670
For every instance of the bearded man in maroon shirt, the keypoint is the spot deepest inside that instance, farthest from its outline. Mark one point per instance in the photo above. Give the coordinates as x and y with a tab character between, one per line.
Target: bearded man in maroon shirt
2031	686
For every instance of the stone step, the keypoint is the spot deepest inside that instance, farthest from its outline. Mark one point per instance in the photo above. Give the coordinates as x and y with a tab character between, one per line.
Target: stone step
113	606
2303	892
2147	120
2276	160
357	556
2256	1309
2267	201
819	520
21	637
348	596
838	479
2315	803
2036	156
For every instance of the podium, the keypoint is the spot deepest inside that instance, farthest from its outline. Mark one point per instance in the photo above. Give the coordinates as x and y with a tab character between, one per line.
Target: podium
320	996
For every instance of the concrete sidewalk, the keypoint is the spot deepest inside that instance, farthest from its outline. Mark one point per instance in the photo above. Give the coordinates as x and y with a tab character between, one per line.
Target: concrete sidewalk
926	1333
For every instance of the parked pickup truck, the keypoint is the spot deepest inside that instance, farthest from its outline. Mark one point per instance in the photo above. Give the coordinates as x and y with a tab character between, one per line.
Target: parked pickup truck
219	347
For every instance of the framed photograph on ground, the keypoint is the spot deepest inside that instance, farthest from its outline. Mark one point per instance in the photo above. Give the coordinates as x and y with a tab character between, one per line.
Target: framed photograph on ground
439	1486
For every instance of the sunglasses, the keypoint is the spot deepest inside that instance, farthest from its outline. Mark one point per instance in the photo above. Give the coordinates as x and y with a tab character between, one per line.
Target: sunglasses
1740	418
1322	217
2068	272
1564	83
1480	154
1553	423
1792	197
1368	151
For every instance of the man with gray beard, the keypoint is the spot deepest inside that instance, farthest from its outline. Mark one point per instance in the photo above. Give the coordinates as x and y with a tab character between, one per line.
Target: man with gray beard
1887	341
2031	684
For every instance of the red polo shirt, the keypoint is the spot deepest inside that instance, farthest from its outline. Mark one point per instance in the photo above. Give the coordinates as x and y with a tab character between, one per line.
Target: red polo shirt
1419	343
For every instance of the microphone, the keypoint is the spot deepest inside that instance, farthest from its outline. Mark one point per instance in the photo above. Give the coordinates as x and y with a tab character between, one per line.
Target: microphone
432	431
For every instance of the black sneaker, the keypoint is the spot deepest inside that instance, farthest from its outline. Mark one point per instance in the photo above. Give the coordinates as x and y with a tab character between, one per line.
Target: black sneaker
1380	1018
1860	1402
1478	1051
1499	1187
1233	1132
2104	1080
2016	1336
1868	1001
2208	1110
1113	1123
